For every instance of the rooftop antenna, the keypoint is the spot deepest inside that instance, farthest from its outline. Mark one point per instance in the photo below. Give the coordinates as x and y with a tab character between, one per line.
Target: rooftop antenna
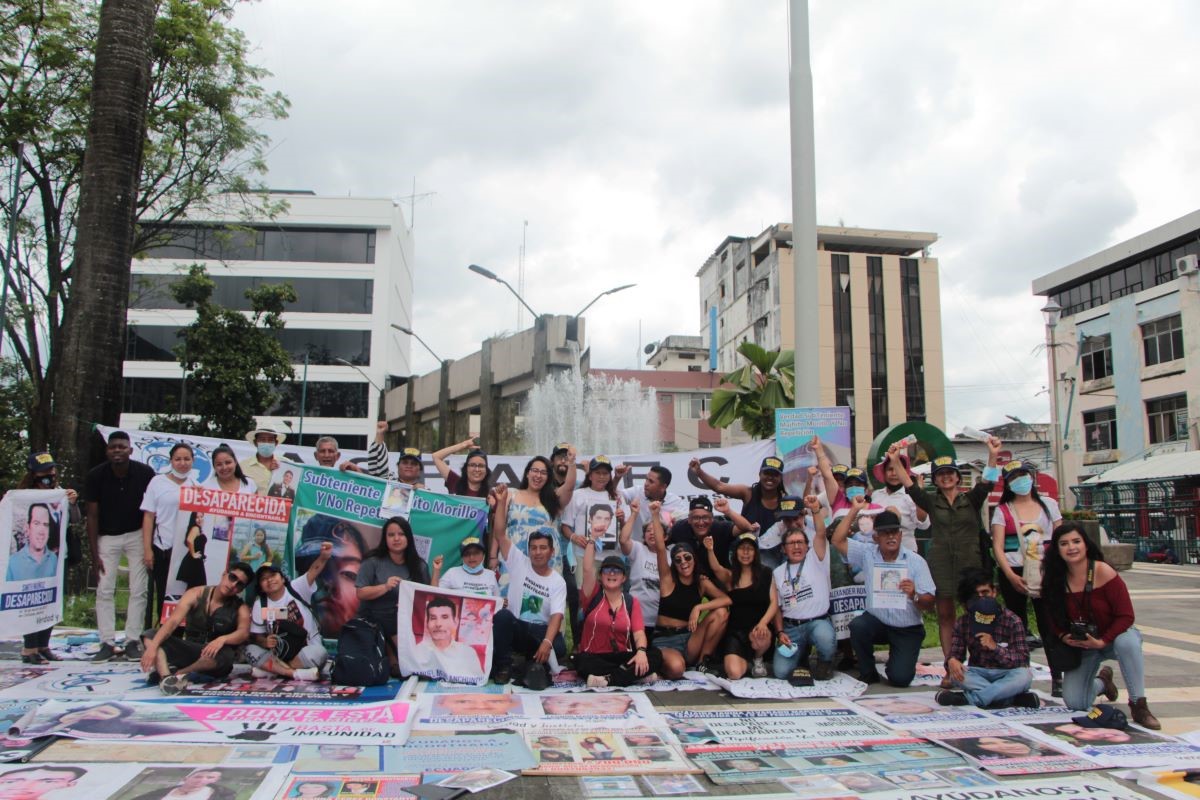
521	274
412	203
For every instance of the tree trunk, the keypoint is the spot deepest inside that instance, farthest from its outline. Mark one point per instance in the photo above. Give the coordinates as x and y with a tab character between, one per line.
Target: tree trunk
88	389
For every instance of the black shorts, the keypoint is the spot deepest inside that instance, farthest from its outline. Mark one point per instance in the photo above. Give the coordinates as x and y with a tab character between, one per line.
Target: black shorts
737	643
181	653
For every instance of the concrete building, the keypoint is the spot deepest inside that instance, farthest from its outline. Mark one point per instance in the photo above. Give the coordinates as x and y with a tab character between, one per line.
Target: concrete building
1125	350
351	263
880	350
677	353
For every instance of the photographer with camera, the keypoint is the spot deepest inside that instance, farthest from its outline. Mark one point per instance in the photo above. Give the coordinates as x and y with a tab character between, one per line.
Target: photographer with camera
1091	617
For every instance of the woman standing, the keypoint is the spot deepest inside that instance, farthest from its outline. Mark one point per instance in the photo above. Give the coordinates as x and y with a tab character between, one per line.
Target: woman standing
753	603
1090	610
476	479
42	473
257	551
394	560
160	505
191	566
227	473
535	506
679	633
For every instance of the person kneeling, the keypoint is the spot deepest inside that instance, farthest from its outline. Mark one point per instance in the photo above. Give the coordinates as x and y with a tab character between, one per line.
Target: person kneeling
286	639
216	621
612	649
992	639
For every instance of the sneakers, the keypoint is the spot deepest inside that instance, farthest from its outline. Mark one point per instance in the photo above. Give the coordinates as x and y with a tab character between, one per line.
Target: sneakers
1109	690
823	671
172	685
597	682
133	650
306	674
758	669
1026	700
950	698
105	653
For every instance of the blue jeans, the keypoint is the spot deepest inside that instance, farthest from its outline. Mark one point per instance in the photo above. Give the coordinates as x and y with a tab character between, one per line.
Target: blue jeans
904	645
510	633
816	632
987	685
1080	686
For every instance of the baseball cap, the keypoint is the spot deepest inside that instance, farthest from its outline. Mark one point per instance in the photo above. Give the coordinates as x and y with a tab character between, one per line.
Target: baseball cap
856	474
887	521
745	538
789	506
839	469
40	461
943	463
411	452
700	502
771	464
598	462
1013	467
470	541
265	569
614	562
985	612
561	447
1103	716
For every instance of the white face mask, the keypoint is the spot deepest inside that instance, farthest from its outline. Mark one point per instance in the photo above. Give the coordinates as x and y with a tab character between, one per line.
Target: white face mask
180	475
866	524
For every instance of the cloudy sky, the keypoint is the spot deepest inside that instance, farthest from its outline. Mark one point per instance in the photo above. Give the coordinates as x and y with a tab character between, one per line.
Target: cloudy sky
635	136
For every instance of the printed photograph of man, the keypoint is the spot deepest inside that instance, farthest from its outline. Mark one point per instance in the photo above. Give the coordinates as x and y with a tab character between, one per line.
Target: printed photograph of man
34	560
40	782
439	649
475	705
285	488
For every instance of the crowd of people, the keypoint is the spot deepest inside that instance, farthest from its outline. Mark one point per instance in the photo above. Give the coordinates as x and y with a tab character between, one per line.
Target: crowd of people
644	583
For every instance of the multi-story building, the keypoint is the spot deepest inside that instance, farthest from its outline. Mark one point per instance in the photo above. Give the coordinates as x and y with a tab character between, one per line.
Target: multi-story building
350	261
880	346
1125	350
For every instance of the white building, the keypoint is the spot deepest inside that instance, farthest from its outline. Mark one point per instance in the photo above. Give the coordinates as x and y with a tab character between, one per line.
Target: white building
350	261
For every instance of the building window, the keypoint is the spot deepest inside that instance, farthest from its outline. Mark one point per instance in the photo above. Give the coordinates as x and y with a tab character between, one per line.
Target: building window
877	337
691	406
1095	357
313	295
914	348
324	399
319	245
1167	418
1162	340
1100	429
323	347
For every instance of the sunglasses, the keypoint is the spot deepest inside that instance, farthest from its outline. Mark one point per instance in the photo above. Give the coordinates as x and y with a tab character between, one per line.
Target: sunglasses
680	559
237	581
612	571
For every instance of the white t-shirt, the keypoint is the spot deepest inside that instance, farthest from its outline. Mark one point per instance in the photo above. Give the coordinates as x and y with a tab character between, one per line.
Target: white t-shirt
287	607
532	597
579	516
1045	521
803	589
162	499
674	507
249	487
908	514
644	581
460	580
456	662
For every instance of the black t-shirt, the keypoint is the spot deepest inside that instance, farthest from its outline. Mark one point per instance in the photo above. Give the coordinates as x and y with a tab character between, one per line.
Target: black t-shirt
120	499
722	535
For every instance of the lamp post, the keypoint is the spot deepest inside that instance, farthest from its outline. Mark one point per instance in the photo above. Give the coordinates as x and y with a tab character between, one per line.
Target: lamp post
1051	313
579	313
487	273
443	382
379	413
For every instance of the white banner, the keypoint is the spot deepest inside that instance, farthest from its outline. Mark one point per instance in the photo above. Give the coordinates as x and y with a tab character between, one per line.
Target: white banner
444	635
33	555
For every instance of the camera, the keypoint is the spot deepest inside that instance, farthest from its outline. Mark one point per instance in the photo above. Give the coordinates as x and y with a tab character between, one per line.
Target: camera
1080	631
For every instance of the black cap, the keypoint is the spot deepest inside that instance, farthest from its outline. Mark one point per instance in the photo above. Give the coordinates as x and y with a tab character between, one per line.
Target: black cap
614	562
945	463
40	461
700	502
887	521
561	447
789	506
1103	716
265	569
984	614
411	452
771	464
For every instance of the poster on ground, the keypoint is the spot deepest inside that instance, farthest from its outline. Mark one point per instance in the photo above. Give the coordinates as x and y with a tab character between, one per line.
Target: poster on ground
140	781
445	635
1178	784
33	536
248	690
886	761
1109	747
604	751
455	752
1005	750
916	711
358	786
794	430
768	725
482	711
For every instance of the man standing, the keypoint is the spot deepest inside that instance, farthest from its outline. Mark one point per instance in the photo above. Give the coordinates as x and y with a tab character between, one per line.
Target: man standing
112	495
260	465
893	617
658	479
537	603
327	454
439	651
285	639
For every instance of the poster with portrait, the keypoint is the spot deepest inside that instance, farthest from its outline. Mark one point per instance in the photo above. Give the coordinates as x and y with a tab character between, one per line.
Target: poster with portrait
445	635
466	711
605	752
794	430
33	536
1110	747
329	786
215	528
1003	750
213	782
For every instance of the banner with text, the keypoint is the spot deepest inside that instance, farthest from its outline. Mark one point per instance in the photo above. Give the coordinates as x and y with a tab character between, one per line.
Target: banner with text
794	430
33	536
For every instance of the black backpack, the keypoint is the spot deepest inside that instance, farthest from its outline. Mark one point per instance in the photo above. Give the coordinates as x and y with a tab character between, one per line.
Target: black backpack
361	659
291	638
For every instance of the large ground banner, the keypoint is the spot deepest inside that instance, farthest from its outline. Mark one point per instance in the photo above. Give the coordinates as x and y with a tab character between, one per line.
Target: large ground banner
33	536
445	635
215	528
768	725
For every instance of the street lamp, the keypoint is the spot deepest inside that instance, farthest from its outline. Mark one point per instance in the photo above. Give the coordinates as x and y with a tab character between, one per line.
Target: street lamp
374	385
413	334
487	273
1052	313
579	313
443	383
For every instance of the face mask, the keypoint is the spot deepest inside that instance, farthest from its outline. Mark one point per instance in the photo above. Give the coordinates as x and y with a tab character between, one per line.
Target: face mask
473	570
866	524
180	475
266	449
1022	485
45	481
855	491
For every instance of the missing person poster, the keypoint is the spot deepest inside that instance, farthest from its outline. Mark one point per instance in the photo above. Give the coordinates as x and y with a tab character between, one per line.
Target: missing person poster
33	536
445	635
604	752
215	529
794	432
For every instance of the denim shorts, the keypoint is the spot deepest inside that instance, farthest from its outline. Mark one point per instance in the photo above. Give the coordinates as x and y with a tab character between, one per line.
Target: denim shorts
672	641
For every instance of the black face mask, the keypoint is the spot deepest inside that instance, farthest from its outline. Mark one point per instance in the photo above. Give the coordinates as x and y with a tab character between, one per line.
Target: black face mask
45	481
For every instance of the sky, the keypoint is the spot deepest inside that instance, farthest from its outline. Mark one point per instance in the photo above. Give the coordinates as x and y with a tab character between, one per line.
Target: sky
633	137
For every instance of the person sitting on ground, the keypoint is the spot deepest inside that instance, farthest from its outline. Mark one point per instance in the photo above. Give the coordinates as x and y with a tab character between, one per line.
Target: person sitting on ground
531	622
683	637
753	606
802	584
215	622
992	640
470	576
286	641
612	649
892	618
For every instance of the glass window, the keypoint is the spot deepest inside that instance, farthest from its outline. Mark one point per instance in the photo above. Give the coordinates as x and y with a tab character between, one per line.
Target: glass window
877	330
1095	357
151	342
914	360
155	343
1162	340
323	399
691	406
1100	429
314	295
1167	418
154	396
261	243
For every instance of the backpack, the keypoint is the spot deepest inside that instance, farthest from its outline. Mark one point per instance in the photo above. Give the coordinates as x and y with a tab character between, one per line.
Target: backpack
361	659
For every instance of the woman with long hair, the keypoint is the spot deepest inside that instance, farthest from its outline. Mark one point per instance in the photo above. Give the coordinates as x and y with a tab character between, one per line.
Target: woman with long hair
160	505
679	633
227	473
753	603
535	506
394	560
42	473
191	566
476	477
257	551
1090	610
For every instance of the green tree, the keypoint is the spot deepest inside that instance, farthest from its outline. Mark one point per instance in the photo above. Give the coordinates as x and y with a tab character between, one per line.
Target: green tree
16	395
232	359
200	141
765	383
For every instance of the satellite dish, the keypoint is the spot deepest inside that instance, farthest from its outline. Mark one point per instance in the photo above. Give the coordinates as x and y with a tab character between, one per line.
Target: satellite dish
650	348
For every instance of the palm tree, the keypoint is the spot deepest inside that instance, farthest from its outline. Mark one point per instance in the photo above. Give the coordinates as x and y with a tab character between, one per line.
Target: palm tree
759	387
